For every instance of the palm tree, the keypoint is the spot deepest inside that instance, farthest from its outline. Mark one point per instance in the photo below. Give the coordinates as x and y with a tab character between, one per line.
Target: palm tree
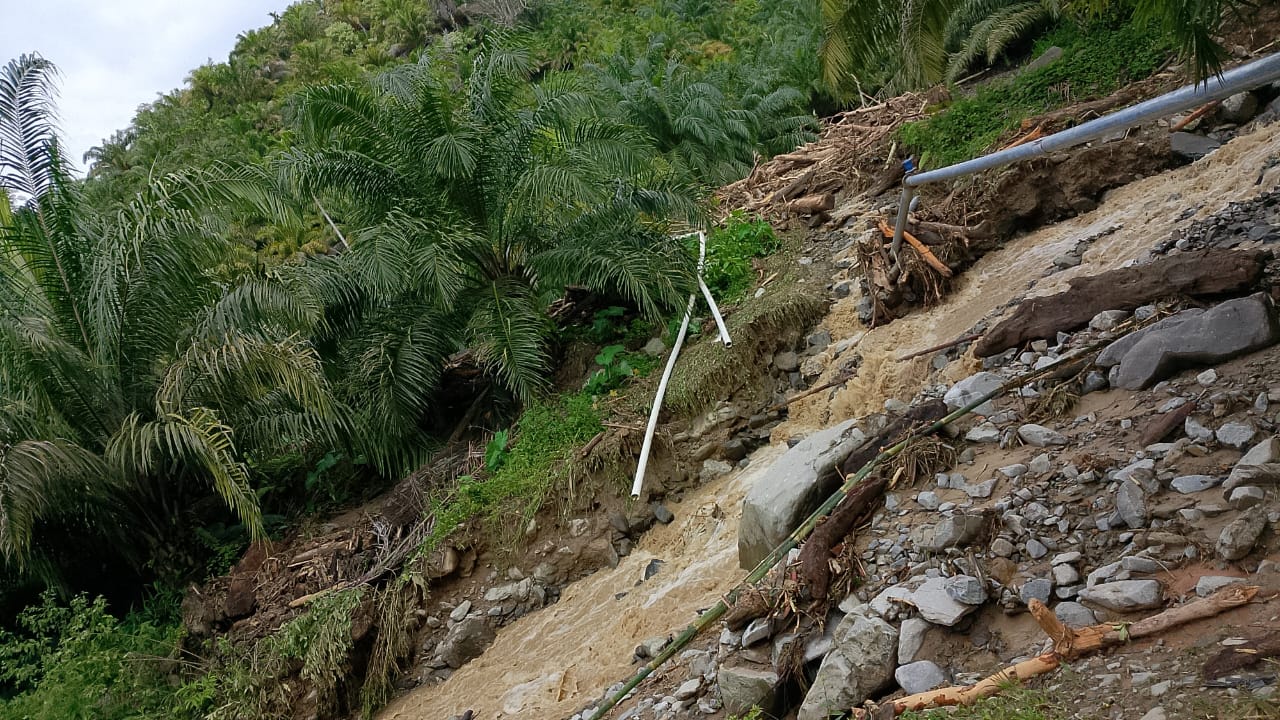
139	366
713	137
470	205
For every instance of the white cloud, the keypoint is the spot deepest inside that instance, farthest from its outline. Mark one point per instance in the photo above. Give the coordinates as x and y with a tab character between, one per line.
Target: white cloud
115	55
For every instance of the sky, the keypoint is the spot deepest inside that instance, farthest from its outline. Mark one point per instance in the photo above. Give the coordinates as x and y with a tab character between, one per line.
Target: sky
115	55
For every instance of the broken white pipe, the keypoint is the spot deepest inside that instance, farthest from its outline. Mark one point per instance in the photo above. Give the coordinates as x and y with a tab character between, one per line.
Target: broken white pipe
652	427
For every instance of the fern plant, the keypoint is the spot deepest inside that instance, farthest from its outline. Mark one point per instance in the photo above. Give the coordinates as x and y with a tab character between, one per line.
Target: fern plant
984	31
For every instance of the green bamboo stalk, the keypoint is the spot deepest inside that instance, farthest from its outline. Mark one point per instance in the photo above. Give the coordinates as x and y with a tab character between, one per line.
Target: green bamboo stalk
800	533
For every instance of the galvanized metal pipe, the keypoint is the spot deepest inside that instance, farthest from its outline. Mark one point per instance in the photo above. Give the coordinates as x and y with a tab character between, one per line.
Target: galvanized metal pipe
1245	77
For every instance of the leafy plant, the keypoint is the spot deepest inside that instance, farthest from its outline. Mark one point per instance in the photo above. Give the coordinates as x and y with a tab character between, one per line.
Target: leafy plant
728	271
495	451
614	370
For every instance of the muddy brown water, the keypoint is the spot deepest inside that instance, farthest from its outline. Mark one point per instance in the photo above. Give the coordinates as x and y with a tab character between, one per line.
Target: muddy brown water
550	663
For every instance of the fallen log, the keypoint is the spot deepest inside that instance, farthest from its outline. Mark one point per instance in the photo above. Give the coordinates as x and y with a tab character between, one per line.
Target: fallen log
1163	425
944	346
1234	659
1067	645
1200	112
816	551
811	204
1208	272
925	253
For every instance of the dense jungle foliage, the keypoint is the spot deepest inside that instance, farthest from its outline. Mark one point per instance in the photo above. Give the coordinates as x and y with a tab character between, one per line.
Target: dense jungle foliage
279	289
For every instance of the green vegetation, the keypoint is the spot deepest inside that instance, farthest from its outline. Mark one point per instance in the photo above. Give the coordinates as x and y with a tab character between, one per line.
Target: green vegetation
1096	60
728	269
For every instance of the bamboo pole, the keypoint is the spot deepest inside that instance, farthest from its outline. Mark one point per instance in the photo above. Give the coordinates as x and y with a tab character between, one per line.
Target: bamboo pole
718	610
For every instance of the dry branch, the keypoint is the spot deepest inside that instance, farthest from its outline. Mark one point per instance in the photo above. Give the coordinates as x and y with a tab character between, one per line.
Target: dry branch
925	253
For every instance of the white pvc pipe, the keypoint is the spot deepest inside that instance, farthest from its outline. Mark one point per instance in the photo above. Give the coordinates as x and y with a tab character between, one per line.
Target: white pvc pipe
638	485
706	293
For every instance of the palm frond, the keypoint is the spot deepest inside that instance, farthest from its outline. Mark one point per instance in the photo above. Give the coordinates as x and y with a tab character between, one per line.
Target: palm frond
40	478
28	134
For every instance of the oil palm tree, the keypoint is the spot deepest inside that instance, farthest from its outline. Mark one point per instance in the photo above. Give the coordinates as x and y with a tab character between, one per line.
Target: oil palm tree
470	204
138	367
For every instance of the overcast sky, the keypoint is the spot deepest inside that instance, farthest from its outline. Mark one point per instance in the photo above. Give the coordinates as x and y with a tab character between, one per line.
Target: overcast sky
115	55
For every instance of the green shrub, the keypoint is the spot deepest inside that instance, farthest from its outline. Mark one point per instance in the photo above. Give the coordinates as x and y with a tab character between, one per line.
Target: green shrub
75	660
1096	60
728	270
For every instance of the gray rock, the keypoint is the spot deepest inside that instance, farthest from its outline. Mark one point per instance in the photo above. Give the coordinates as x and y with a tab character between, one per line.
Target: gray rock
1040	465
818	341
1239	108
460	611
786	361
1197	431
1210	584
911	639
1036	549
1187	484
1047	58
733	450
712	469
1067	558
980	490
1246	496
936	605
983	432
920	676
688	689
1155	713
655	347
1040	436
1236	434
1014	471
742	687
1115	352
1192	146
1094	381
966	589
1108	320
1131	504
792	488
1065	575
1207	378
952	531
1038	589
928	500
970	389
1241	534
1216	335
1002	548
517	591
860	664
1263	454
1074	615
465	641
1125	595
662	514
757	631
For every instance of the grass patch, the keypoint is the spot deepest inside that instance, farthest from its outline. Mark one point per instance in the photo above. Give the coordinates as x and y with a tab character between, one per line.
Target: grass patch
707	372
1012	703
1096	61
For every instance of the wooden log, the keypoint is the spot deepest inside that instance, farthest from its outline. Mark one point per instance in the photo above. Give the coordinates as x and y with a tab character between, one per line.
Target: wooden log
944	346
1162	425
1199	112
811	204
966	694
925	253
795	188
1208	272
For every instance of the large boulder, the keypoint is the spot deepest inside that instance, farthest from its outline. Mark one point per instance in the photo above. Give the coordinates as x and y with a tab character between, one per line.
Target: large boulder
792	488
1223	332
466	640
744	686
860	664
972	388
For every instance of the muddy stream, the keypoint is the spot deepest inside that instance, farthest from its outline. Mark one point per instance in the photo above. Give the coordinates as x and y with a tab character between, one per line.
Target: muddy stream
552	662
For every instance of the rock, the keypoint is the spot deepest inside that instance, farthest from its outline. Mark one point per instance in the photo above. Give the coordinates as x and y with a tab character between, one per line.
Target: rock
654	347
1196	431
936	605
928	500
786	361
1047	58
1014	471
920	676
1209	584
1067	558
860	664
1040	465
1002	548
517	591
742	687
970	389
952	531
1038	589
712	469
1264	453
966	589
1065	575
1036	549
911	639
460	611
1155	713
688	689
1131	504
1040	436
1125	595
1246	496
1187	484
980	490
1241	534
1074	615
466	640
1192	146
662	514
1224	331
1108	320
1236	434
793	486
733	450
983	432
1094	381
1207	378
757	632
1239	108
